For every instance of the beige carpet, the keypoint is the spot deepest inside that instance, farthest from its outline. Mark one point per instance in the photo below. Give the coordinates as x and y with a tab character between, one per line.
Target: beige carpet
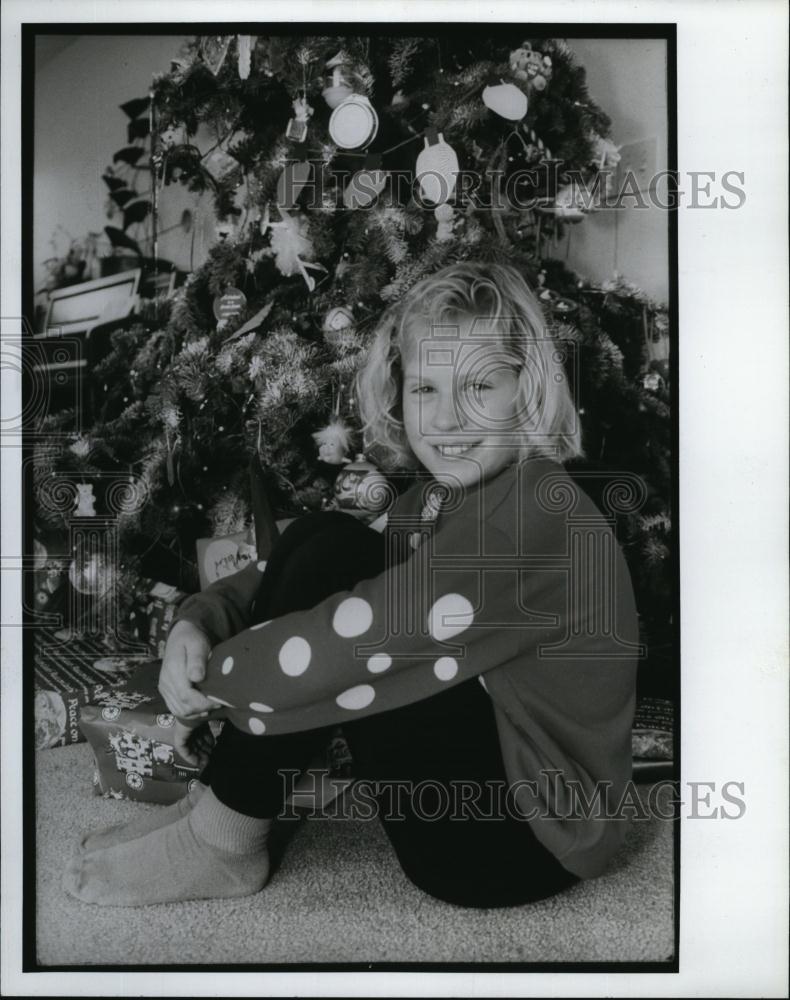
339	896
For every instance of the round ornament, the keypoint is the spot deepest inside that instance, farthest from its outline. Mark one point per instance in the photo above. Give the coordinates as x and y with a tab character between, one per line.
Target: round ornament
91	574
437	170
360	485
230	304
506	100
353	123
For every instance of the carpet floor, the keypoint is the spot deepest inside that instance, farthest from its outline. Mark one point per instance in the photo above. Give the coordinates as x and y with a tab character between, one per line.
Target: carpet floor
338	896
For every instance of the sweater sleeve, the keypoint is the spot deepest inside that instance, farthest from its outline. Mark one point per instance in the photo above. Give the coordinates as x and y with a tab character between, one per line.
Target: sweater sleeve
427	622
223	609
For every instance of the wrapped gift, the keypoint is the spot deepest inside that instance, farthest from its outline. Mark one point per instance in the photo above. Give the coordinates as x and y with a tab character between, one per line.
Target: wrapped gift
652	740
69	674
220	557
161	609
651	737
130	731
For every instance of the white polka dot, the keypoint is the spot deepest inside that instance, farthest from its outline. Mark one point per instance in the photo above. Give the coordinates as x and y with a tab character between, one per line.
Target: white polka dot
219	701
450	615
415	539
261	566
261	625
379	662
258	706
256	726
295	656
445	668
227	665
352	617
356	697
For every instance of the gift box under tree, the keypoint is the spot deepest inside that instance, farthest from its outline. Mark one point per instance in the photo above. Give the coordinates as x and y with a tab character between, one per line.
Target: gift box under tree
130	730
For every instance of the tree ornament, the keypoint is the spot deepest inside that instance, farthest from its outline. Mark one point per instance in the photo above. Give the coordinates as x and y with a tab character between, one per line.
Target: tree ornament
290	243
337	319
605	152
174	135
297	126
49	575
230	305
444	215
361	486
366	184
569	204
219	162
338	87
213	49
334	442
353	123
399	101
90	571
531	66
506	100
91	576
244	45
556	304
540	149
437	168
86	502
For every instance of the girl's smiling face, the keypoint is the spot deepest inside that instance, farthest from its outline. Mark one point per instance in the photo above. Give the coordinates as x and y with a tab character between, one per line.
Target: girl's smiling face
460	401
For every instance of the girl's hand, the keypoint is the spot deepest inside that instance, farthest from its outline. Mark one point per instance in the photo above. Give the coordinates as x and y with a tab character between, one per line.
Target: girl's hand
194	742
183	666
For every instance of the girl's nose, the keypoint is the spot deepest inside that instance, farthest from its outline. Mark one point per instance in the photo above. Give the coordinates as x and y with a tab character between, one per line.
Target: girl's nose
445	416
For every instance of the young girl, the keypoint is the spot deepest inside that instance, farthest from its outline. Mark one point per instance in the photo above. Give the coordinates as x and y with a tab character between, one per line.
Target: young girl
479	654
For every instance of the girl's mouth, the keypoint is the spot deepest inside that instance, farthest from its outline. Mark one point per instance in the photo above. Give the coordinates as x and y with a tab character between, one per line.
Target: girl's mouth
453	450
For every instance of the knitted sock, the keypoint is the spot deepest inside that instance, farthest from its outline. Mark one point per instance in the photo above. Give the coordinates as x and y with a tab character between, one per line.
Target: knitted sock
211	853
145	823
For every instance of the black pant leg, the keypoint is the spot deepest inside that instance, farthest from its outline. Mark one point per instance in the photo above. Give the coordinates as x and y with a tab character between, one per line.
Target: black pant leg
443	802
317	555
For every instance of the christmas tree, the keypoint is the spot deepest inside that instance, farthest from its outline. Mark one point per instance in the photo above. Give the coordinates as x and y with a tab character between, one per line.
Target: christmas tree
343	170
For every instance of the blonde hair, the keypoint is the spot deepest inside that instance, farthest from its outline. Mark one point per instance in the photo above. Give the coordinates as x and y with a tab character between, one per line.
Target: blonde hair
499	295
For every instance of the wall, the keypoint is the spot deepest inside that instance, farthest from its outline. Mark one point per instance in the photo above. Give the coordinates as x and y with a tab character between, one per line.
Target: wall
627	78
80	84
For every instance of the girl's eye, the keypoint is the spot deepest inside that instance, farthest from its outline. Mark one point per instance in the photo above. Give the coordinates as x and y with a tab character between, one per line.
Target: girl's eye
479	386
420	390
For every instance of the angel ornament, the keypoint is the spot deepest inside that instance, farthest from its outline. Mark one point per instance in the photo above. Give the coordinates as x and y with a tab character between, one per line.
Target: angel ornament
291	245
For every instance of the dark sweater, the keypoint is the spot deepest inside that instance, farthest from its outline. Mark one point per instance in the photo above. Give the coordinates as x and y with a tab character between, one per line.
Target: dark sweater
520	581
